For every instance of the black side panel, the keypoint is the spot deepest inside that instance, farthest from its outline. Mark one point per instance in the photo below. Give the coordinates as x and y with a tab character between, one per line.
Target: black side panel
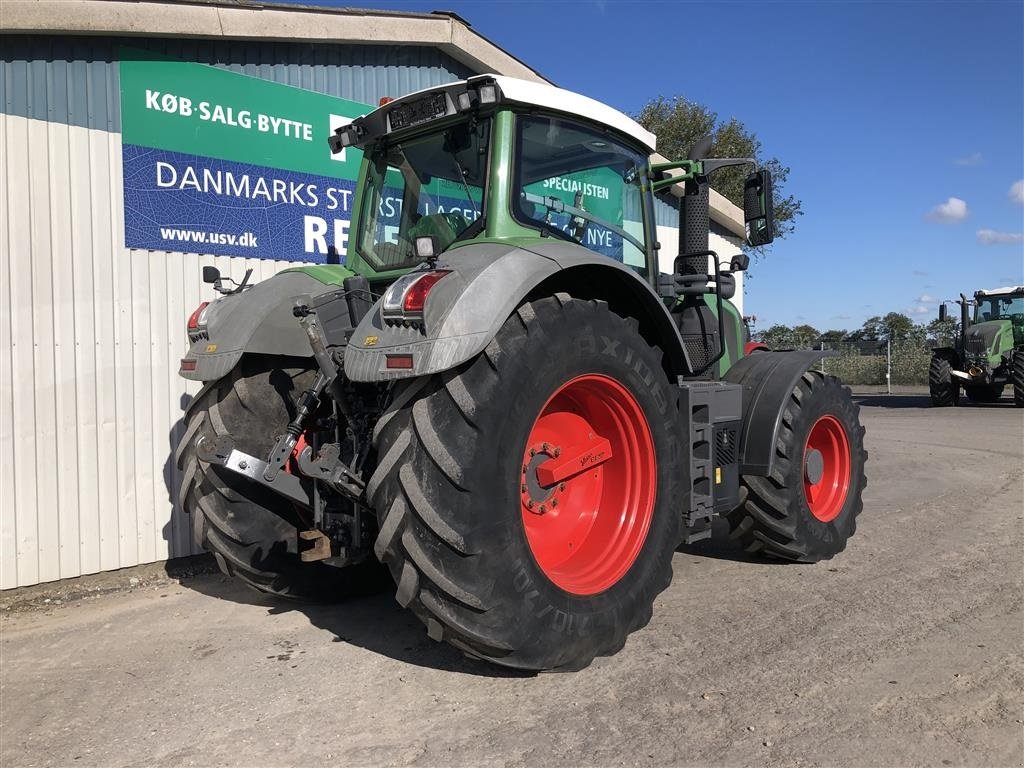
767	379
698	327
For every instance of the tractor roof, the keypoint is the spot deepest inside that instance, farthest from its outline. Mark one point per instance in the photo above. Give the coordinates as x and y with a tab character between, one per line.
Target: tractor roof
516	91
1007	291
561	100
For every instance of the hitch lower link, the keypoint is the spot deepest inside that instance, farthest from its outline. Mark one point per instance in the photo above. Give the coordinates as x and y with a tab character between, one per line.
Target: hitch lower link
327	466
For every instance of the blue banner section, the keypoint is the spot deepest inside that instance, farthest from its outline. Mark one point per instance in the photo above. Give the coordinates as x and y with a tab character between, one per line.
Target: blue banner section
181	202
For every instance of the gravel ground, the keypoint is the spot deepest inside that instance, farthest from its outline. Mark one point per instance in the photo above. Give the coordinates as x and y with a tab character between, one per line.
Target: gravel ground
904	650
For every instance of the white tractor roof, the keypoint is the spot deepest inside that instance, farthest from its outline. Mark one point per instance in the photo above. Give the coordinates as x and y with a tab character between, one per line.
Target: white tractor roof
560	100
1006	291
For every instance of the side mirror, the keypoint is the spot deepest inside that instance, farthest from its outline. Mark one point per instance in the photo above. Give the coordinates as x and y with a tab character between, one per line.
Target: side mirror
211	275
739	262
757	208
942	313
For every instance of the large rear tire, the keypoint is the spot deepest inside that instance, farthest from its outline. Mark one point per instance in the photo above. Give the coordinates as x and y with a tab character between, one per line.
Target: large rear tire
806	510
252	532
943	389
489	552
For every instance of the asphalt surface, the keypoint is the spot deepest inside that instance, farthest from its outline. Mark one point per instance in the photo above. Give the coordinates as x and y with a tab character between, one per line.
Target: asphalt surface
904	650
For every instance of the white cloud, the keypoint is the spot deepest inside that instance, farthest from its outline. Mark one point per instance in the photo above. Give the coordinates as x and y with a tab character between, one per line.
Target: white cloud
952	210
1017	192
992	237
925	298
975	158
920	309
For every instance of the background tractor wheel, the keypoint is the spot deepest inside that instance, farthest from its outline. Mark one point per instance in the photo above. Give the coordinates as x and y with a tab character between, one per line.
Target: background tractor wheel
987	394
807	509
1017	374
251	531
529	500
943	389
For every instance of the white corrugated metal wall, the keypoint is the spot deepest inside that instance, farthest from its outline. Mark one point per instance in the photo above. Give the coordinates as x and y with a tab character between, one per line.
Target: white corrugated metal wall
91	332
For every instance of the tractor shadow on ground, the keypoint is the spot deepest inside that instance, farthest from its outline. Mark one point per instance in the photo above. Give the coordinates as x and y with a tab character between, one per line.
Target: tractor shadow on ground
921	401
721	547
370	619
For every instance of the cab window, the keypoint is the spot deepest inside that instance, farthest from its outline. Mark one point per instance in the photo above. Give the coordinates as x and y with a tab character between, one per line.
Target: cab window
580	184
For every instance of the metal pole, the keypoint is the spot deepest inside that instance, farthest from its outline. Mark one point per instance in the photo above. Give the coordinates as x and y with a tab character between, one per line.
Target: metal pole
823	357
888	366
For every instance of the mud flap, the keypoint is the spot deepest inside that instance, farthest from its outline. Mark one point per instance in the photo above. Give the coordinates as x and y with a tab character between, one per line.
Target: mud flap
767	379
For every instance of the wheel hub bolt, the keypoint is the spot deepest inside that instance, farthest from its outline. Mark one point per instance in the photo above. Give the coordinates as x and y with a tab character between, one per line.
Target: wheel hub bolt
561	486
543	508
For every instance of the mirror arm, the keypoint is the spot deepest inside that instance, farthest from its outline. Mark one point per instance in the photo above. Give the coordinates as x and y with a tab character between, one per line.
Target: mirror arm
715	163
691	169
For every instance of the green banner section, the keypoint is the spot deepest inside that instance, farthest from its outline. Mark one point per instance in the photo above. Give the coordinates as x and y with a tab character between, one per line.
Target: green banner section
599	191
202	110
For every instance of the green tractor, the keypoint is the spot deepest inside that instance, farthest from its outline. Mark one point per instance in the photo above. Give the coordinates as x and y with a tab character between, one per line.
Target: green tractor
989	351
499	397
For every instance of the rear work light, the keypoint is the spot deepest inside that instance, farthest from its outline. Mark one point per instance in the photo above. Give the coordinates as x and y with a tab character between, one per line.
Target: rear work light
405	299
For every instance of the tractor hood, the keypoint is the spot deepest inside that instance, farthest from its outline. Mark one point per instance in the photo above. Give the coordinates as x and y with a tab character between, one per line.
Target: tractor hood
989	339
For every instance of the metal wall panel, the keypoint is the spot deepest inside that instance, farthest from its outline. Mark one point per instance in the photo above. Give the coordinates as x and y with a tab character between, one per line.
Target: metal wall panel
75	80
91	332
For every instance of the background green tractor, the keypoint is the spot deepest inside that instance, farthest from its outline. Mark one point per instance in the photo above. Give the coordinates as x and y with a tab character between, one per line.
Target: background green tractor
989	351
499	397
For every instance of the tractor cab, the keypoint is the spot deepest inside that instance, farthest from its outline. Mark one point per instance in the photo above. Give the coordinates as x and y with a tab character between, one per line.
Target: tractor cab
503	161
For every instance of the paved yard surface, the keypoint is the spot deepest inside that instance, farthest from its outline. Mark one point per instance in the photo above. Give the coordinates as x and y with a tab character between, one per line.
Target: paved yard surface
905	650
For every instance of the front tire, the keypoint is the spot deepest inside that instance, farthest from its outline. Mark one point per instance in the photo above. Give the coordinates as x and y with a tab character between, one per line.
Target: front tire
943	389
458	471
806	510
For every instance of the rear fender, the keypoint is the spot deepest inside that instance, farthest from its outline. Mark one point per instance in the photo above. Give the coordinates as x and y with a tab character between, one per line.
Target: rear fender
258	320
465	309
767	379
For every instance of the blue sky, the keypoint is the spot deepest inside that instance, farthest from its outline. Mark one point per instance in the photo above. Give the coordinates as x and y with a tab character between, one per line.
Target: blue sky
883	111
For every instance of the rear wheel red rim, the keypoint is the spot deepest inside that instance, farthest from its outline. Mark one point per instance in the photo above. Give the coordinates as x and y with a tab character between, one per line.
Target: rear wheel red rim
827	465
588	484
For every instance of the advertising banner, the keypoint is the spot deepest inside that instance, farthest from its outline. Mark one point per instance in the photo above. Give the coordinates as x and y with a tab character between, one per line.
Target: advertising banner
217	162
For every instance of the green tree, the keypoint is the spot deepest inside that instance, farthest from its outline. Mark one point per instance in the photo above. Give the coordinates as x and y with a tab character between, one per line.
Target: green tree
679	124
805	336
942	333
833	336
872	330
776	337
897	327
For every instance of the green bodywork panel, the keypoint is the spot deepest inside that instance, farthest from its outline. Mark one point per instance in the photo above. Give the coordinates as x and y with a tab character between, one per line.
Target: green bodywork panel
999	341
735	341
733	332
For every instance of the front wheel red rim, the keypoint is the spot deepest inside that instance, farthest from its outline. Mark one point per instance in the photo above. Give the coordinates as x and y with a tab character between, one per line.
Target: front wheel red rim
588	484
827	466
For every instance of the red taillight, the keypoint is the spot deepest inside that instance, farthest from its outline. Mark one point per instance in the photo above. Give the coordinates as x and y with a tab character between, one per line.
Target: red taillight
193	319
401	362
416	295
188	365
